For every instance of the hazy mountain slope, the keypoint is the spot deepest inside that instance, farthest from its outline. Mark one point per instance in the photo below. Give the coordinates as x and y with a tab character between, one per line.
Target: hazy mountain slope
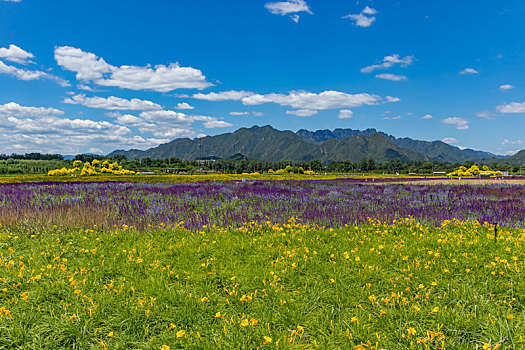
434	150
358	147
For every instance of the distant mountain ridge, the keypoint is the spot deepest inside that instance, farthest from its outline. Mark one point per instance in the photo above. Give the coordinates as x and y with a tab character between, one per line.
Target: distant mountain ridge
435	150
269	144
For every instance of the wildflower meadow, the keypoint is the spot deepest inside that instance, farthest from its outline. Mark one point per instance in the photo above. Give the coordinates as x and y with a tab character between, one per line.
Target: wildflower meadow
330	264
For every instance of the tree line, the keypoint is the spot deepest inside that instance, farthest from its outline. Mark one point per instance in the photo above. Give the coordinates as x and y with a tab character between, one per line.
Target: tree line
36	163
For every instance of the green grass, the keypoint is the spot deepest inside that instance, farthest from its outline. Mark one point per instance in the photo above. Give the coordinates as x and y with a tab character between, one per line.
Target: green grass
303	287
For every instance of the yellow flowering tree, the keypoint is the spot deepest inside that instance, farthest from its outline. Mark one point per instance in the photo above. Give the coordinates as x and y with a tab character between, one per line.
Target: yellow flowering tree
92	169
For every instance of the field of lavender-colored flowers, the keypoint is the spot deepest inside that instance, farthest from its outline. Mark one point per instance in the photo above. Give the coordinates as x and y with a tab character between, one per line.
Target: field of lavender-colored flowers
332	203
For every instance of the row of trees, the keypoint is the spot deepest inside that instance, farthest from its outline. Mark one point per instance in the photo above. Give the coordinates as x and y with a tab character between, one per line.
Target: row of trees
42	163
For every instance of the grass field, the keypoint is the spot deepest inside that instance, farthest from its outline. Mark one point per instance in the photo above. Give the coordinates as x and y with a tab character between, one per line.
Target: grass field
373	286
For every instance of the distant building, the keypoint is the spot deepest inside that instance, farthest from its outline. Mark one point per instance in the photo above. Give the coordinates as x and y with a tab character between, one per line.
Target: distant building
485	175
439	173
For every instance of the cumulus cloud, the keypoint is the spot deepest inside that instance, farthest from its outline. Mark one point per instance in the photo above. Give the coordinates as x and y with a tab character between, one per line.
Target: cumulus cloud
166	118
13	109
505	87
296	99
427	116
295	18
487	115
184	105
469	71
216	124
239	113
345	114
363	19
87	88
392	99
223	95
284	8
391	77
161	78
459	123
513	107
42	129
26	74
309	100
450	140
15	54
393	118
513	142
112	103
302	112
390	61
168	124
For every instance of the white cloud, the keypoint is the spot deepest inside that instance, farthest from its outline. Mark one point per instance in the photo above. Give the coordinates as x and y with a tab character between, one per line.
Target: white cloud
166	118
487	115
216	124
12	0
13	109
511	153
469	71
390	61
86	88
16	54
460	123
130	120
26	74
86	65
41	129
506	87
184	105
513	107
309	100
296	99
223	95
345	114
450	140
427	116
392	99
392	77
286	7
513	142
302	112
363	19
397	117
295	18
239	113
369	11
161	78
163	116
112	103
258	114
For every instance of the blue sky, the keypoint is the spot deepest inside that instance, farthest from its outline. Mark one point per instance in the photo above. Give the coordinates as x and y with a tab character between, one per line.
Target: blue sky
94	76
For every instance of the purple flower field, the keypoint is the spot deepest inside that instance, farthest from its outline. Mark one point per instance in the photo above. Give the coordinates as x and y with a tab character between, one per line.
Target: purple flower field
330	203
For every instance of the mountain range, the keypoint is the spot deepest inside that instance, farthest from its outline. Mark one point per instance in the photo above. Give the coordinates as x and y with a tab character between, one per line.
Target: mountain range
269	144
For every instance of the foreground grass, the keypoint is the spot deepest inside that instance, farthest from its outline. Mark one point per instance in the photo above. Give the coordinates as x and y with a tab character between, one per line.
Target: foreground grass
376	286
